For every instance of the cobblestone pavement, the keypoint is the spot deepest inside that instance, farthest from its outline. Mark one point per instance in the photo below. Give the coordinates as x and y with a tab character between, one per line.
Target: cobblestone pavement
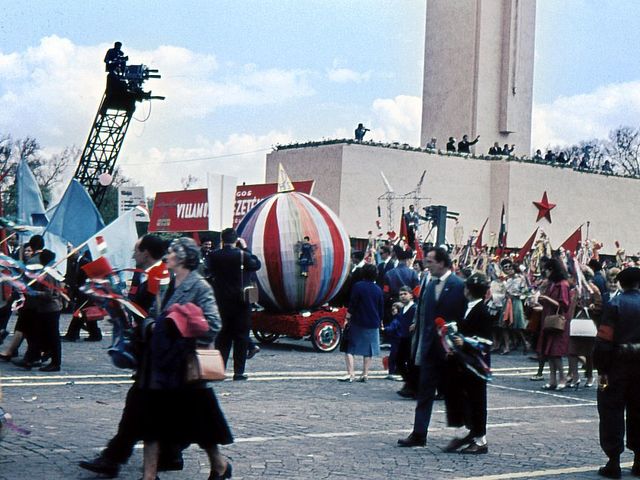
293	420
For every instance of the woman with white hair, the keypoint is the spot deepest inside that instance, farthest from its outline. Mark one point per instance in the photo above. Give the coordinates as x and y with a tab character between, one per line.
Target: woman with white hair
178	412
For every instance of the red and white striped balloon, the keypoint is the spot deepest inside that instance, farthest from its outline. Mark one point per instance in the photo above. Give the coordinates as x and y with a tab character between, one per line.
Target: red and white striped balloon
273	230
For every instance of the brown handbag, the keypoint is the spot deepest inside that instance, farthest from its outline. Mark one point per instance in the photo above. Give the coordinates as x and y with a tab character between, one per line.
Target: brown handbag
554	323
204	365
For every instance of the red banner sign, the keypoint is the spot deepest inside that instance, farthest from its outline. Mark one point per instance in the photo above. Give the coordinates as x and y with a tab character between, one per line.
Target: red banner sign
188	210
181	211
247	196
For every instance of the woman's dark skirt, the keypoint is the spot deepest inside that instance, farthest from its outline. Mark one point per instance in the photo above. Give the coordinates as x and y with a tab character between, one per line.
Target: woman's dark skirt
185	416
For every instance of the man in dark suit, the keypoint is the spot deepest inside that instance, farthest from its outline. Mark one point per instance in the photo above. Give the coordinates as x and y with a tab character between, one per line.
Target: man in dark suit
231	267
441	296
385	265
401	276
464	144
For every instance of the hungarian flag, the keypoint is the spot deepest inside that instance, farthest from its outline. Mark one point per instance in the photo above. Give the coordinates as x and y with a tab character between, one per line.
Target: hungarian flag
571	243
502	236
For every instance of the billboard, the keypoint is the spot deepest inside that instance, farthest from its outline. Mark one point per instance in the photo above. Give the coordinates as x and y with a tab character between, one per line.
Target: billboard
247	196
130	198
180	211
188	210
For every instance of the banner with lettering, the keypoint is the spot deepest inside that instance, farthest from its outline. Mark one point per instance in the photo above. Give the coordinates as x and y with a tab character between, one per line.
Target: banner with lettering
247	196
181	211
188	210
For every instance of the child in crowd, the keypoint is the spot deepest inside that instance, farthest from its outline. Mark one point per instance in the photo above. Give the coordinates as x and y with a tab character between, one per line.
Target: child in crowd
399	334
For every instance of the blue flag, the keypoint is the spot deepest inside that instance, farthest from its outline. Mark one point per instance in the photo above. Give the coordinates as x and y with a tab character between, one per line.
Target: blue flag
76	218
30	207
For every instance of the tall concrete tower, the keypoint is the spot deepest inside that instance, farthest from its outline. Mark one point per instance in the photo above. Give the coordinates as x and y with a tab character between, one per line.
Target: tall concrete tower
478	72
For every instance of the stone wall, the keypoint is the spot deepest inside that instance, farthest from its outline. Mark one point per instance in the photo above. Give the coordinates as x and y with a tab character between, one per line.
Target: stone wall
348	180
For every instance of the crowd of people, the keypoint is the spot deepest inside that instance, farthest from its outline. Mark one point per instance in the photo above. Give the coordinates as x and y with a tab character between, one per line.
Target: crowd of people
191	302
442	315
540	304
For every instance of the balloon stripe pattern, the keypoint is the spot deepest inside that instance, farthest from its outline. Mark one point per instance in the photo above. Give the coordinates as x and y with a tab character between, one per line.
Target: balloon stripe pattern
274	230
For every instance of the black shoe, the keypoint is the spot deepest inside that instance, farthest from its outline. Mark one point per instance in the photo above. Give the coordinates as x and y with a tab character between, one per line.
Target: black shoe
610	470
21	362
457	443
475	449
7	358
252	351
171	465
228	471
93	339
50	368
102	466
240	376
413	440
67	338
406	393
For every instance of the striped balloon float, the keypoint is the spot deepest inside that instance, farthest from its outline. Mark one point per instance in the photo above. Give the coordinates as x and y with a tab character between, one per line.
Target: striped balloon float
273	230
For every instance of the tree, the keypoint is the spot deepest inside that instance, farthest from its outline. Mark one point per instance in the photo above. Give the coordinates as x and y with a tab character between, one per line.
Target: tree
49	171
623	148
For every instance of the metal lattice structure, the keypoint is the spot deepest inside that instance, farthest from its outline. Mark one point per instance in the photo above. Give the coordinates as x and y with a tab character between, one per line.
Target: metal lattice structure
390	197
110	126
102	148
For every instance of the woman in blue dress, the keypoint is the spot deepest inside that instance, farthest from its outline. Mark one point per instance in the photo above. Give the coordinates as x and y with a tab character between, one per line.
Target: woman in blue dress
366	310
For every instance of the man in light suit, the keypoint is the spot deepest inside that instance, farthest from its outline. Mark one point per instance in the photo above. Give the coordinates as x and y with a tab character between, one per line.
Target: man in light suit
441	295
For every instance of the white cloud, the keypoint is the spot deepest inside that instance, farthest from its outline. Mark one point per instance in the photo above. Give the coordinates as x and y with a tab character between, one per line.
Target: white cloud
569	120
346	75
239	155
52	90
397	119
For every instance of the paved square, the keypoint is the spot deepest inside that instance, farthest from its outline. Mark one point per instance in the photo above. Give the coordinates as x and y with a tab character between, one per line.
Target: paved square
293	420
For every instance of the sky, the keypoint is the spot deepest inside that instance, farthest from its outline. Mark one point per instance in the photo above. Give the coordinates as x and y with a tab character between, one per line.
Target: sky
242	76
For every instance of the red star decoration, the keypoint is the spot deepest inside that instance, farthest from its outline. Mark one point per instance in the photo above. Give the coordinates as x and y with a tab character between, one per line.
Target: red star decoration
544	208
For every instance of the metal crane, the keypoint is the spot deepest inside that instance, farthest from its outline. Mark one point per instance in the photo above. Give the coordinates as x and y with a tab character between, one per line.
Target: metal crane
123	91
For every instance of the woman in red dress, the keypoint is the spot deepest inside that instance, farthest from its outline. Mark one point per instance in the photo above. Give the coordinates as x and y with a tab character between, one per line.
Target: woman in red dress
553	345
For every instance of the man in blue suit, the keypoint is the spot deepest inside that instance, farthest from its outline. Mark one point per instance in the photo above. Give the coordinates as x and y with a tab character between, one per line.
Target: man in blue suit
441	295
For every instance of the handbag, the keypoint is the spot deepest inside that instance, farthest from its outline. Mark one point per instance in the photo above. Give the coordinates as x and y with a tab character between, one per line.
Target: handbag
344	340
204	365
250	293
554	323
581	326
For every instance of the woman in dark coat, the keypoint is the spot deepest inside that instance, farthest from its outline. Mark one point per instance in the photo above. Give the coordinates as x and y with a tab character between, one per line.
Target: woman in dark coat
177	412
552	346
366	310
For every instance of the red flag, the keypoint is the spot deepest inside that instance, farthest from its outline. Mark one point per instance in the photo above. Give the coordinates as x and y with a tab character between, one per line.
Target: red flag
478	243
99	268
571	243
527	247
404	233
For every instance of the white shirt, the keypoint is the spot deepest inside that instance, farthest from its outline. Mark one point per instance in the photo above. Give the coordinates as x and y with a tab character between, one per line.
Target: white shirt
470	305
440	286
407	307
